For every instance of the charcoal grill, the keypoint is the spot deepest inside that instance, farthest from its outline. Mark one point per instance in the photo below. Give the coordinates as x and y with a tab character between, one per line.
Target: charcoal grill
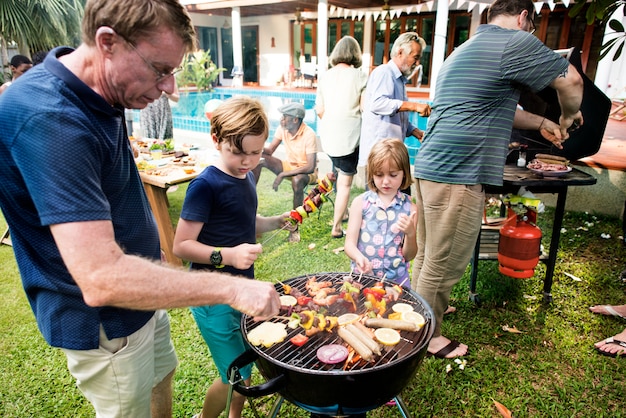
298	376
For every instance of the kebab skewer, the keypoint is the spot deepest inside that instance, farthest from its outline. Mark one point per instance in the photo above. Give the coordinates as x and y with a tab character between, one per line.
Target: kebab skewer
312	203
314	200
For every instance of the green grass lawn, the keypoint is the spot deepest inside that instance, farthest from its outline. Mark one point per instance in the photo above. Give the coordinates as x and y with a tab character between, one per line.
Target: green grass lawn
548	370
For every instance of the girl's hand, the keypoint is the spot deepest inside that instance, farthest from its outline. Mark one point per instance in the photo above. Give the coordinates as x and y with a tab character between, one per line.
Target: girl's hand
242	256
363	265
407	224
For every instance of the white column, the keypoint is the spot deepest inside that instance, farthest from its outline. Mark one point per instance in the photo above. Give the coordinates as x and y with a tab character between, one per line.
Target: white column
322	37
476	16
237	44
368	33
439	48
611	75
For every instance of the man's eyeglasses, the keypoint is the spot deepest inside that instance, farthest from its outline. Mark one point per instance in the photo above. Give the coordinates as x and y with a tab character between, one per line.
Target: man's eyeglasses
161	75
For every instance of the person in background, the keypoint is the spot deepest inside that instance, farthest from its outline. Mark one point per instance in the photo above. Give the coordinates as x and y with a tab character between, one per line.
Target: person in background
217	231
616	345
19	65
84	237
338	105
300	142
156	118
381	236
386	105
466	143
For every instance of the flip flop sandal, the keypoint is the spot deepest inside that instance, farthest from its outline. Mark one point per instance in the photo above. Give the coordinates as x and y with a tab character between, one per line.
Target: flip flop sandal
612	340
611	311
450	347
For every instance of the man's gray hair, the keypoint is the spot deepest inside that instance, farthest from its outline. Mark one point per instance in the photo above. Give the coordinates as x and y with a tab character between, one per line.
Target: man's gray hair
404	42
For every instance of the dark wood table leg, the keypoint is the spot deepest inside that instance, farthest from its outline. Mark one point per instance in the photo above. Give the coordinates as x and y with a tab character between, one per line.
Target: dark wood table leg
554	244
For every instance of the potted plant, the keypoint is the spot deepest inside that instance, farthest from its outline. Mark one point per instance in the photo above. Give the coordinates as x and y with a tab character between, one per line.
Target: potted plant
198	71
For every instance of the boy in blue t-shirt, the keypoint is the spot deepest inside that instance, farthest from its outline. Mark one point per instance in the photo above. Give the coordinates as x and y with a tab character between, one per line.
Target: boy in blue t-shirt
218	228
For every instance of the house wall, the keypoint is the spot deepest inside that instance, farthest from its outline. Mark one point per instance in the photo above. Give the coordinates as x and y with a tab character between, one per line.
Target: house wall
272	60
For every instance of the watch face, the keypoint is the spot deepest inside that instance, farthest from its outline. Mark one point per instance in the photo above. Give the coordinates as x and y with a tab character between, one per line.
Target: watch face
216	258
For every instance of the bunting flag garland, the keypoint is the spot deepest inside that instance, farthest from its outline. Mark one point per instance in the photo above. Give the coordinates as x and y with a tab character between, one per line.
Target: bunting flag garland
354	14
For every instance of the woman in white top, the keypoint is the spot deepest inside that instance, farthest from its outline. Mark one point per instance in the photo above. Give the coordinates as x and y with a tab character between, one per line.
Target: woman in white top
338	105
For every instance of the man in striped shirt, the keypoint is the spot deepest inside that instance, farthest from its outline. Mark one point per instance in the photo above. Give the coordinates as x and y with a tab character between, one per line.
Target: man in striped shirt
466	143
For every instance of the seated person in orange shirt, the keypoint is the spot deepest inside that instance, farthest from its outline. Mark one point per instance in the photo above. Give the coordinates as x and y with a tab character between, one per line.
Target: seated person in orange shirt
300	142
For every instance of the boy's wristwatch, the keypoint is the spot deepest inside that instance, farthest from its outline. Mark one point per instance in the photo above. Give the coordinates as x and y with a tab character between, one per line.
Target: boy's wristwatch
216	257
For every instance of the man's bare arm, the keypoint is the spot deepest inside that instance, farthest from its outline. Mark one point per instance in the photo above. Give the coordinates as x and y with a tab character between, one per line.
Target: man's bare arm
108	277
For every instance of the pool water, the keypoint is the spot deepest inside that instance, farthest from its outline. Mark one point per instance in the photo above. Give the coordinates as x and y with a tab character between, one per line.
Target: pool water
188	113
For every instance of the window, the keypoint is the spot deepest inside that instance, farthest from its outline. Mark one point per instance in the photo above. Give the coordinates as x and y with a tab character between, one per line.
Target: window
227	52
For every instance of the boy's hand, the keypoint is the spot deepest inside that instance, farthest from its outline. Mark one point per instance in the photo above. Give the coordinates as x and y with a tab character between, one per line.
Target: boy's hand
287	224
242	256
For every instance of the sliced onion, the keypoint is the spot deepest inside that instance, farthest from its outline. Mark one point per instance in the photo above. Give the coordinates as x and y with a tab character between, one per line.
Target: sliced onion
332	353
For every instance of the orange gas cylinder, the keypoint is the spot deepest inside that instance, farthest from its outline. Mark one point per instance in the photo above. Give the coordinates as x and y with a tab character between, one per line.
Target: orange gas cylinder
520	245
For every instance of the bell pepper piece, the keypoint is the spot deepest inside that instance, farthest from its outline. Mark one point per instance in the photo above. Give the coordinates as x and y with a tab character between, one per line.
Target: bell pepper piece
331	322
395	316
303	300
295	216
306	319
321	324
374	292
299	340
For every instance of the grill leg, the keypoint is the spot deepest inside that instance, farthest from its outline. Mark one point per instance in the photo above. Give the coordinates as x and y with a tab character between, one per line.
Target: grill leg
276	407
402	407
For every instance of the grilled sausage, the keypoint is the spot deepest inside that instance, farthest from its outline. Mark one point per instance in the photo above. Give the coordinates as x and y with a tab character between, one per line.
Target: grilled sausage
365	353
368	331
551	157
365	339
391	323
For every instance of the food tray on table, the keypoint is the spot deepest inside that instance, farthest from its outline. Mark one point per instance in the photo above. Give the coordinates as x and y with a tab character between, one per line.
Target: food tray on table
551	173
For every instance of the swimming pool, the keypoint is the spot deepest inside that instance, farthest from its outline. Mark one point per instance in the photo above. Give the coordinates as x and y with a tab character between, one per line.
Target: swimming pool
188	113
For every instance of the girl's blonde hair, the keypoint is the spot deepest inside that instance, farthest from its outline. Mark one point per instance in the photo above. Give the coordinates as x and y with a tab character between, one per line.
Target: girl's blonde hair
237	118
391	151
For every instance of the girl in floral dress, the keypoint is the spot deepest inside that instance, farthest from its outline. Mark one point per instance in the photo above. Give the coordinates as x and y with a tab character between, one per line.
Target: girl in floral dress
381	238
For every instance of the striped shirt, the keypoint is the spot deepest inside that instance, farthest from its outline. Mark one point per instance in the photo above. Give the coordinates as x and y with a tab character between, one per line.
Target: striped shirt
478	89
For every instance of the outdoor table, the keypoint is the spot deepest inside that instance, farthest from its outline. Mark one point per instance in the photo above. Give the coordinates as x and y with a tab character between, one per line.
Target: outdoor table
156	189
516	177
